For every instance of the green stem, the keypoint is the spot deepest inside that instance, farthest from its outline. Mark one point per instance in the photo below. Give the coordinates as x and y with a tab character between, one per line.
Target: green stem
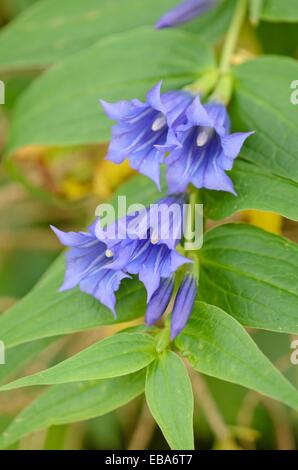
205	84
163	339
232	36
255	11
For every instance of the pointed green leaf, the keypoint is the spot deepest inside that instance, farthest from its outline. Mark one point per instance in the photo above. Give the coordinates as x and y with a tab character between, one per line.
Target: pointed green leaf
251	274
17	358
69	403
54	29
258	106
62	106
117	355
265	176
170	400
256	188
217	345
45	312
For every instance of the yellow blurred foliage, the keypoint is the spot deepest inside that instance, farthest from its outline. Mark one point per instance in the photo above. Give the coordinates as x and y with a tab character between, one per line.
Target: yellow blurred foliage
74	190
108	176
266	220
227	444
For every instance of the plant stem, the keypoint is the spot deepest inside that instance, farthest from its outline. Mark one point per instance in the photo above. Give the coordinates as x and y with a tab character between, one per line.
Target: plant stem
232	36
163	339
209	407
255	11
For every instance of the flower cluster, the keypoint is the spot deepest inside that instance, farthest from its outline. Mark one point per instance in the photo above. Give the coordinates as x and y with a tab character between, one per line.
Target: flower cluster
138	244
174	128
193	140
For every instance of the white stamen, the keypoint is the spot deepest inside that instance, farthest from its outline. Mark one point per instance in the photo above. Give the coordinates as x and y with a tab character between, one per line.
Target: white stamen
109	253
154	238
159	122
204	135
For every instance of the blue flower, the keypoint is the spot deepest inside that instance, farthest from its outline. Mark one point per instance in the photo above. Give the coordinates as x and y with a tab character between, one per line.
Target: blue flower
183	305
184	12
159	301
142	129
144	243
205	149
87	265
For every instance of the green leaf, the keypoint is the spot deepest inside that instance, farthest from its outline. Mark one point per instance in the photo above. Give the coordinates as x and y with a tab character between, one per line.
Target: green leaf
170	400
214	23
143	187
14	7
117	355
45	312
252	275
61	107
262	103
266	174
278	38
256	188
280	10
17	358
69	403
54	29
217	345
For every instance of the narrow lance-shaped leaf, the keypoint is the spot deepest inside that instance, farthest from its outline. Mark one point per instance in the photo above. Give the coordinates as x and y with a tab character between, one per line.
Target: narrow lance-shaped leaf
170	400
45	312
60	110
256	188
54	29
251	274
17	358
117	355
69	403
258	106
217	345
265	176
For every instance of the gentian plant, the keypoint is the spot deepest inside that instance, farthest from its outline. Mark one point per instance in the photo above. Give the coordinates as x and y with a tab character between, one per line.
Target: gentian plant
204	129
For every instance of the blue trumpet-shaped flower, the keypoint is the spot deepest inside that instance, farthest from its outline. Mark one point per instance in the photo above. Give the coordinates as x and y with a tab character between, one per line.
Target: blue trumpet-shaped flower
184	12
87	266
159	301
183	305
142	129
205	149
144	243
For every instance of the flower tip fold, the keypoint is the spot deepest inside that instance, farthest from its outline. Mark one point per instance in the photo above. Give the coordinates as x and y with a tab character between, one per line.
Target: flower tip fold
109	109
183	12
161	24
55	230
63	237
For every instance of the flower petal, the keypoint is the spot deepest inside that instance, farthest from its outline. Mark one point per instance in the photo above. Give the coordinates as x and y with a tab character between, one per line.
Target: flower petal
184	12
232	144
183	305
159	301
103	285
